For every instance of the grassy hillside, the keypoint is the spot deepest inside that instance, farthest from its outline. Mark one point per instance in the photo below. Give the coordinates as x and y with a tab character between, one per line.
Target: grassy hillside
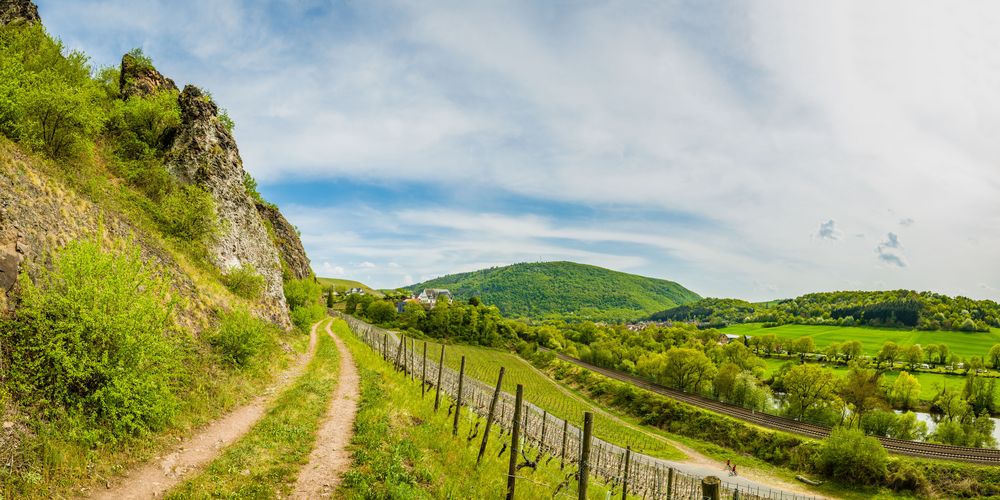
564	290
341	285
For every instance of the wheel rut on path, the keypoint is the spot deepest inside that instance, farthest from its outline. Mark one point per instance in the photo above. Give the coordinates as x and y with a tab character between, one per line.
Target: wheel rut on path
158	476
330	457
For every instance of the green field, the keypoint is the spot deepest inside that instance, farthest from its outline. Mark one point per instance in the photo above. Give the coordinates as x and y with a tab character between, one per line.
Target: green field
348	284
960	343
484	364
930	383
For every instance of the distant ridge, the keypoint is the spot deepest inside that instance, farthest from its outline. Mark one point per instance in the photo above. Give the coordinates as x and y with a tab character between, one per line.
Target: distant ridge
564	290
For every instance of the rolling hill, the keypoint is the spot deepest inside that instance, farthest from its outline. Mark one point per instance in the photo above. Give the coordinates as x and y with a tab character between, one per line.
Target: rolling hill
564	290
342	285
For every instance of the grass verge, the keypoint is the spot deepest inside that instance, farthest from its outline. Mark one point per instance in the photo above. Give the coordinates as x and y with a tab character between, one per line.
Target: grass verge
265	462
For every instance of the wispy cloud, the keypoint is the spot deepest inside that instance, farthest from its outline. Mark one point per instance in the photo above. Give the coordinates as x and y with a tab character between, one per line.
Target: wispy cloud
828	230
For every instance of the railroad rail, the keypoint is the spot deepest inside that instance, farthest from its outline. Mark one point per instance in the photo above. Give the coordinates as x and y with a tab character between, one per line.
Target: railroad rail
919	449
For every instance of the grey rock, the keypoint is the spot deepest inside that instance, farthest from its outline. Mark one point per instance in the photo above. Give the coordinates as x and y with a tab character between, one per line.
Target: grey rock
13	10
141	80
205	153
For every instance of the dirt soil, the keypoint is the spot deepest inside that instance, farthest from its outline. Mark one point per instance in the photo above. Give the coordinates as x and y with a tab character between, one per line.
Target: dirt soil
158	476
330	457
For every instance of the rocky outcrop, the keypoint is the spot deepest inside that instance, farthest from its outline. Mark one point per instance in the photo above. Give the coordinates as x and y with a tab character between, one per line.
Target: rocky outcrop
286	237
13	10
139	78
205	153
39	214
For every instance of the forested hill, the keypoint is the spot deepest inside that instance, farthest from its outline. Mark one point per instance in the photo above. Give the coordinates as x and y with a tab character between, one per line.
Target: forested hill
564	290
895	308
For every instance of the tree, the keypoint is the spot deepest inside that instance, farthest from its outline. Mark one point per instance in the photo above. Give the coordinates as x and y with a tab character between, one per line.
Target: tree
850	456
914	355
725	379
807	387
995	356
413	315
832	351
889	353
942	354
802	346
860	388
687	369
851	349
381	311
329	299
931	352
906	390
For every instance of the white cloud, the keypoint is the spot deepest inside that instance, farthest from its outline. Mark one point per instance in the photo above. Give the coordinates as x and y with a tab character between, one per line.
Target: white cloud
828	230
330	270
782	115
367	265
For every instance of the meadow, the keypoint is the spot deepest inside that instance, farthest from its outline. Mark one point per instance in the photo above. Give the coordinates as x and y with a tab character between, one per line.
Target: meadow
930	383
964	344
484	364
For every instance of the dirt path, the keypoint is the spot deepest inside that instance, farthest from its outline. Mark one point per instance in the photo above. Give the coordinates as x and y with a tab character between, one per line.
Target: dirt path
163	473
330	458
696	462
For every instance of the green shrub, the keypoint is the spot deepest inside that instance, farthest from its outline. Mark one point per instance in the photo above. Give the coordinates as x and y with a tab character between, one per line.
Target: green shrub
244	281
302	292
241	338
850	456
188	213
47	98
305	316
94	336
381	311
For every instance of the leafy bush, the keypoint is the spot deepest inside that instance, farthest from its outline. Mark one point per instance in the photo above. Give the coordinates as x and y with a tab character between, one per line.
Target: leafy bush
850	456
242	338
381	311
47	98
304	316
189	214
94	336
244	281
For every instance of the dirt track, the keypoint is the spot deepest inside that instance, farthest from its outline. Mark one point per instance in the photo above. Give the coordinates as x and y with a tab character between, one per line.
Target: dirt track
158	476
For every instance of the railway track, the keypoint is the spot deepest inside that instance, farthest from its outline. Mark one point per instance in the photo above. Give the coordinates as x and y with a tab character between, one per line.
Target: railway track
986	456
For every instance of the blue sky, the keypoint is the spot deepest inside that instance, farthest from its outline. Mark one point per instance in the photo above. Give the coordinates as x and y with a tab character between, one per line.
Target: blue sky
747	149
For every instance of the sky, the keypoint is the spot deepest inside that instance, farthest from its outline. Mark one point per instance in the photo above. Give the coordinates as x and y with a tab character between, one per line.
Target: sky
750	149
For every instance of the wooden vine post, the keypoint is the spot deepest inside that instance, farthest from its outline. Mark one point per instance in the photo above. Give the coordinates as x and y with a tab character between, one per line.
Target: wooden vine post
489	416
515	438
628	455
562	453
588	428
458	399
423	374
437	392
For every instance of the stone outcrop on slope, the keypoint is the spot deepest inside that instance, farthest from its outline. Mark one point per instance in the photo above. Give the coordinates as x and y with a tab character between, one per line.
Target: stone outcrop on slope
140	79
286	237
13	10
205	153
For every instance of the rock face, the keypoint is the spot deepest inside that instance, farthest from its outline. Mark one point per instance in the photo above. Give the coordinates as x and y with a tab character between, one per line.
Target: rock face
205	153
12	10
286	237
139	78
39	214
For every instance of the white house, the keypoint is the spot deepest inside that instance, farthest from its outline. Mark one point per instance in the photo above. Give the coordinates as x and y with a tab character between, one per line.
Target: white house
430	295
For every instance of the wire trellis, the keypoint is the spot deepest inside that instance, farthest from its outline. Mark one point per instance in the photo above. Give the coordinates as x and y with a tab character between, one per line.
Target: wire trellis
551	437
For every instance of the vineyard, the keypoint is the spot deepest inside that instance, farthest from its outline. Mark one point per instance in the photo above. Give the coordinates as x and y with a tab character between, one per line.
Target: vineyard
528	424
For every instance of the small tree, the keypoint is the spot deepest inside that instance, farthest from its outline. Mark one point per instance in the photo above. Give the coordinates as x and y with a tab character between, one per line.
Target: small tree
850	456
